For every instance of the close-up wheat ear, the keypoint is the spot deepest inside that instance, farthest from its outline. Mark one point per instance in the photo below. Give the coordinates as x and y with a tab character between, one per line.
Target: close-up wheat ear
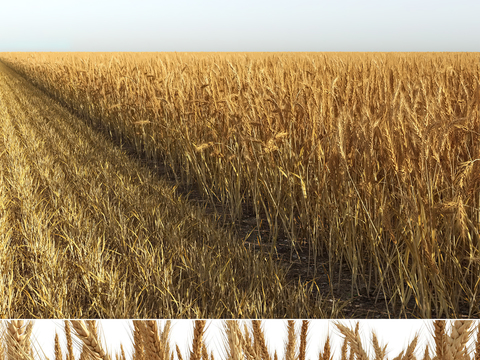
88	339
16	340
452	342
353	340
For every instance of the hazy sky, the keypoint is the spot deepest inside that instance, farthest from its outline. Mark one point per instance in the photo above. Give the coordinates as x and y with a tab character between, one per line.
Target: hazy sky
240	25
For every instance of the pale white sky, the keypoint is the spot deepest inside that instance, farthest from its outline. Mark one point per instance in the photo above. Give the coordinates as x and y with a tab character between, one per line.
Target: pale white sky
240	25
397	334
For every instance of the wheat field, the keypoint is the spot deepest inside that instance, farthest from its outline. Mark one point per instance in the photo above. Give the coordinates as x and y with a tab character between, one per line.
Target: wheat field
364	161
150	340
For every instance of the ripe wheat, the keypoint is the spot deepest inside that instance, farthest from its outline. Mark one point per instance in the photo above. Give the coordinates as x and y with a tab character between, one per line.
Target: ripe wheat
371	159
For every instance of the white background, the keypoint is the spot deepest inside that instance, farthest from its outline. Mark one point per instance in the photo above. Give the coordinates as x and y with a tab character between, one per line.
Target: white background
397	334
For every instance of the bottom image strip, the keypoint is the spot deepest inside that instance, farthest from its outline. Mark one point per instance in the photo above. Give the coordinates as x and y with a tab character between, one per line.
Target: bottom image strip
240	339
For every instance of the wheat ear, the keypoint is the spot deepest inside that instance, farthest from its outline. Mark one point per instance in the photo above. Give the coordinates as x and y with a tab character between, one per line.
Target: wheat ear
152	342
458	339
197	343
354	341
138	341
303	340
58	349
291	341
89	337
379	352
234	342
247	343
18	339
344	349
411	349
426	354
327	350
259	340
165	340
204	352
68	335
439	337
179	353
122	352
477	344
